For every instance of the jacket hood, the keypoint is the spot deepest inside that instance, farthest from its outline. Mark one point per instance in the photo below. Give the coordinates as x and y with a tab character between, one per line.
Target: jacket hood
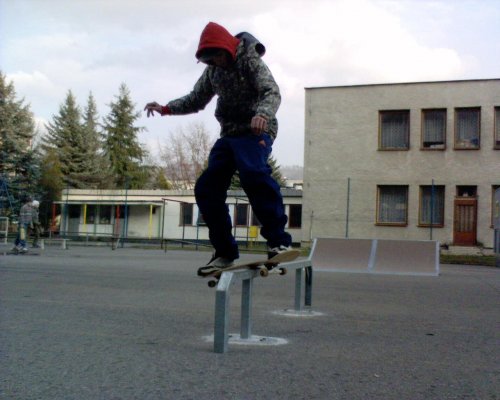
216	36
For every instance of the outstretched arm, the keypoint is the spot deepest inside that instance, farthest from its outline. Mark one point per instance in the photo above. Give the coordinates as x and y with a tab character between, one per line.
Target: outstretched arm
153	107
193	102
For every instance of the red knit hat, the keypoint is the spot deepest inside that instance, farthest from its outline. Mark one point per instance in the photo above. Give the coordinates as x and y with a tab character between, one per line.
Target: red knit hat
216	36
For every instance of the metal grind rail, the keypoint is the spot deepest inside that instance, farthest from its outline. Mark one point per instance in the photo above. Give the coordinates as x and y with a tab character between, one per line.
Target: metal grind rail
303	284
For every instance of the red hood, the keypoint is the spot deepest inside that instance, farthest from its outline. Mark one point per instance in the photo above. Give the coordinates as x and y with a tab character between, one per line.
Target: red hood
215	35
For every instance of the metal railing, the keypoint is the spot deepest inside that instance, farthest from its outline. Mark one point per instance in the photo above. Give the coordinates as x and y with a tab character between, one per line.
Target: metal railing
303	283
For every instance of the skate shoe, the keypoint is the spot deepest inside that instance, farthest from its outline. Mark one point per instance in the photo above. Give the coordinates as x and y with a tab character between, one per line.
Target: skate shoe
274	251
215	264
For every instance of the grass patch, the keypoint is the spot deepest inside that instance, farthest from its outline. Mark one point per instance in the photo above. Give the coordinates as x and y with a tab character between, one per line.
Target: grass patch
468	260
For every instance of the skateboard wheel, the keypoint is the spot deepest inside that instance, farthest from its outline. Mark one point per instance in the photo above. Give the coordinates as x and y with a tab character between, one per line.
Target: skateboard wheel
212	283
283	271
264	272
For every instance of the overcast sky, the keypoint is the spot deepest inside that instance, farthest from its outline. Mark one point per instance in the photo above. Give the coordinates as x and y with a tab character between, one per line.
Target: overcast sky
48	47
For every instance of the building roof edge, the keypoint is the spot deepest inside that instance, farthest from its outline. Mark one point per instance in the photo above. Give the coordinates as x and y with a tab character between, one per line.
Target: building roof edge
403	83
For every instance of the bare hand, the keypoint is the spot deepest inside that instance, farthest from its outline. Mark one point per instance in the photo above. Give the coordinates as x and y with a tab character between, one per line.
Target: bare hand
258	124
151	108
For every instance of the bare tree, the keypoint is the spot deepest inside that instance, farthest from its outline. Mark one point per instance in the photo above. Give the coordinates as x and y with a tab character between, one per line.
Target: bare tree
185	154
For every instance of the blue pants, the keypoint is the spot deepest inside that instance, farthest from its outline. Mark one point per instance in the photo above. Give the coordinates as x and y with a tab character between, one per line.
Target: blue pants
22	235
248	155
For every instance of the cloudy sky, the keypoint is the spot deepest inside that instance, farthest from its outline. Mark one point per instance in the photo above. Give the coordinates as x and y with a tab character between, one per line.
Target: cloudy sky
48	47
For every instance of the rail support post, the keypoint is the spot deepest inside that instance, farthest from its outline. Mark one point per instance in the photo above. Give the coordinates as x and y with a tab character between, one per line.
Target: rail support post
303	282
246	309
221	328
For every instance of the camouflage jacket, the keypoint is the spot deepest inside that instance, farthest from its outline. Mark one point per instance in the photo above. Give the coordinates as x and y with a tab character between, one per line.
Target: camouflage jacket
244	90
26	214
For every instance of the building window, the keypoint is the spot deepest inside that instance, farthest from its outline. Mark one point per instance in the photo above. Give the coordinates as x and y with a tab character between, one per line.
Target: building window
433	129
241	214
431	211
394	130
201	221
497	128
392	207
90	214
467	128
104	214
186	214
72	210
295	216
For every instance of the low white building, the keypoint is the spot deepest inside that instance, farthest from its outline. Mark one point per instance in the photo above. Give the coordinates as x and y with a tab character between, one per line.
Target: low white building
402	161
161	214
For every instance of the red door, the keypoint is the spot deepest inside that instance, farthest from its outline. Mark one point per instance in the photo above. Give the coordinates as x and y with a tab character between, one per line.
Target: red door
465	221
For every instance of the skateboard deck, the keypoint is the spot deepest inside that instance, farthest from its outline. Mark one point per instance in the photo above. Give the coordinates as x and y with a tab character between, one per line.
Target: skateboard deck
264	266
32	251
22	253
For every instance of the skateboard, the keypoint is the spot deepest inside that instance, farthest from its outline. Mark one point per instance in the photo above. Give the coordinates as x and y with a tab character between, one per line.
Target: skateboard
264	266
32	251
16	252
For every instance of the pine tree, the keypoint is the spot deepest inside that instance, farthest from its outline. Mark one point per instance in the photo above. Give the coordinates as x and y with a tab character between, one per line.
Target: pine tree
51	177
276	174
66	137
95	163
27	174
121	145
160	181
51	184
18	162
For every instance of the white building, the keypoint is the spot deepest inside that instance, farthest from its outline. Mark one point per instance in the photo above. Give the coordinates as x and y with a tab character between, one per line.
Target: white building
161	214
406	161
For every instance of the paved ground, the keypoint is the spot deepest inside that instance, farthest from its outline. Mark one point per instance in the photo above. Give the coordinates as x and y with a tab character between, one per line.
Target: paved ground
91	323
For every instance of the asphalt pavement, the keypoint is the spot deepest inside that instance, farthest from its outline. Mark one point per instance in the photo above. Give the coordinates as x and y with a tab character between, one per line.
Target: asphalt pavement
92	323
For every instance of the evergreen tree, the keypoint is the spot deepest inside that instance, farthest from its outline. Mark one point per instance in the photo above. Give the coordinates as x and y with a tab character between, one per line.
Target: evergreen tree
94	162
121	145
160	180
51	184
27	177
18	162
66	137
276	174
51	176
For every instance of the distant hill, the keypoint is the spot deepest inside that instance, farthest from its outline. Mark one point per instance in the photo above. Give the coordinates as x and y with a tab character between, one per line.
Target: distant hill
293	172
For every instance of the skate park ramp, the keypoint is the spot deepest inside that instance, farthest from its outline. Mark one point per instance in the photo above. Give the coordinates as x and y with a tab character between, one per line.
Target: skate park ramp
377	256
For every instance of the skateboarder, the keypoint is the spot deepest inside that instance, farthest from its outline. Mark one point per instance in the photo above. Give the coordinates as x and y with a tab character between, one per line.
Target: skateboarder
25	221
248	98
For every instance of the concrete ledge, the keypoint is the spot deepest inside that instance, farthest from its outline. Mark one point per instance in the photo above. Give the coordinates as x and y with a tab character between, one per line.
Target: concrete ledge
379	256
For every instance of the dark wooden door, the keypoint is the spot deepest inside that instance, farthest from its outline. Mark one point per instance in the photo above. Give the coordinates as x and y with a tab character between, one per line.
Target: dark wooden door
465	221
